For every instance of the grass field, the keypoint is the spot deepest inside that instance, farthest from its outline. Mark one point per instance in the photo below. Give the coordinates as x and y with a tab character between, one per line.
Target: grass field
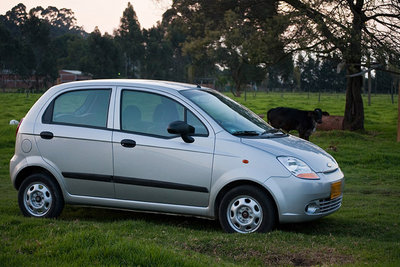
365	231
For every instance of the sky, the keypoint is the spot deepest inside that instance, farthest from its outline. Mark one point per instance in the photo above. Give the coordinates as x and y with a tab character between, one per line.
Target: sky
105	14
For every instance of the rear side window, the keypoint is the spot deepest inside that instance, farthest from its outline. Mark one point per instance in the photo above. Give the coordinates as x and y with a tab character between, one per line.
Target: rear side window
83	108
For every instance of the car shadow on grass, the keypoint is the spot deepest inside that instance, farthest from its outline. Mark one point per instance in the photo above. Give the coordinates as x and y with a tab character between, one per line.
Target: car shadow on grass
73	213
329	226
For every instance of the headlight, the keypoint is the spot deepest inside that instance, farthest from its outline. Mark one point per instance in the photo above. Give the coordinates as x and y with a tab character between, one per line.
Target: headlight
298	168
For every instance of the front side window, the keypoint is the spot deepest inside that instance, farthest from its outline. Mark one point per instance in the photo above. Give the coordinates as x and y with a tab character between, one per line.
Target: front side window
150	114
83	107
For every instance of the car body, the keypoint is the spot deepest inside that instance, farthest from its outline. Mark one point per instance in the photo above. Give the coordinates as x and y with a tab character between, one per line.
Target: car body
167	147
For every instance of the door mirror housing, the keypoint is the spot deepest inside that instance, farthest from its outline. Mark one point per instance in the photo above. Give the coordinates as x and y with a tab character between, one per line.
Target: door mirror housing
183	129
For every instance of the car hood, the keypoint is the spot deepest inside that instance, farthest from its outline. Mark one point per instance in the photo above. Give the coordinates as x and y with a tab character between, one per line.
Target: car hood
314	156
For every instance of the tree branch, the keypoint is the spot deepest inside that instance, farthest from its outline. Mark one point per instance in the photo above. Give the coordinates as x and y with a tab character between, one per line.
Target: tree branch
396	16
318	18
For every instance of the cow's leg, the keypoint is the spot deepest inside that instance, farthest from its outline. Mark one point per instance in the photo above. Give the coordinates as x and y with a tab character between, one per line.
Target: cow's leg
304	134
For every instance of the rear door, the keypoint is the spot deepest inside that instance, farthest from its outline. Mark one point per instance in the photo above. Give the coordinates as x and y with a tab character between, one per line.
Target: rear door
74	136
151	165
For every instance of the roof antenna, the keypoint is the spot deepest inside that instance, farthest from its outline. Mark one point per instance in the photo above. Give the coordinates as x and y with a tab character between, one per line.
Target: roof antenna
198	86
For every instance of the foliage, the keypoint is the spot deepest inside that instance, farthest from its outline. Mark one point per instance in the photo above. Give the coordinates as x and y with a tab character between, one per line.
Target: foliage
230	35
353	30
48	39
36	34
363	232
130	38
281	74
158	55
27	46
320	74
103	56
224	41
62	21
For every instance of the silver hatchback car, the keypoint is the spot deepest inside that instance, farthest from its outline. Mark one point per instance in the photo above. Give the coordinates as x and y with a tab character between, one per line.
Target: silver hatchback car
167	147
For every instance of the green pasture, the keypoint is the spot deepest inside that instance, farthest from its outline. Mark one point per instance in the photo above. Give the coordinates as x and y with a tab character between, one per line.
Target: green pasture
365	231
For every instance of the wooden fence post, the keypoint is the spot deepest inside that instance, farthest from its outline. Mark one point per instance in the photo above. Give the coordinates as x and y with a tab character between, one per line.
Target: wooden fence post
398	114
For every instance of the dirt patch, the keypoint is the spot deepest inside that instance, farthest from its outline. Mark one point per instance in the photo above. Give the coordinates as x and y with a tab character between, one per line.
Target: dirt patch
276	256
331	123
305	258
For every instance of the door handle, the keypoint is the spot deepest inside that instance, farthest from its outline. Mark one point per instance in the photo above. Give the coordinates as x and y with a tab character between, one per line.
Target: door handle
128	143
46	135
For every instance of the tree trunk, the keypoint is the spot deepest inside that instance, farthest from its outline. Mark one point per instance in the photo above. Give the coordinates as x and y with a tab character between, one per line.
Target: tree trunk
354	111
236	76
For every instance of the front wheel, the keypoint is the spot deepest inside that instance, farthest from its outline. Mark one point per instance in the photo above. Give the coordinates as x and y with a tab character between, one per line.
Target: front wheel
246	209
39	196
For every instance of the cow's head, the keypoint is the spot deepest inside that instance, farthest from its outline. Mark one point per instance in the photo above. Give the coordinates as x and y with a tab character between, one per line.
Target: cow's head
317	115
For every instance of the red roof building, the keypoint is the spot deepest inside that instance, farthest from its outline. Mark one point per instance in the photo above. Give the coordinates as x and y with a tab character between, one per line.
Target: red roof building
72	75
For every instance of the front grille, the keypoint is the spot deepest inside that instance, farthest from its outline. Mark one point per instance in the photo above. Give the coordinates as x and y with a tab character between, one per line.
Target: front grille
322	206
327	205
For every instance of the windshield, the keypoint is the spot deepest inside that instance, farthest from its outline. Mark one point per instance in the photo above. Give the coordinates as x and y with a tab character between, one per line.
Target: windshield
233	117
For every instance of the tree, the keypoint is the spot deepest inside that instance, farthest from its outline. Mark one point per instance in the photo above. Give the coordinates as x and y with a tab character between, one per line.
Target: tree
72	51
234	35
353	29
329	78
103	58
14	19
16	56
36	34
175	33
158	59
35	45
281	74
309	73
7	47
130	37
62	21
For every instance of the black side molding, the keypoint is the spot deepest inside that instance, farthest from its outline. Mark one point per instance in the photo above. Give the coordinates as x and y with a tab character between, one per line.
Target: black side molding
134	181
159	184
88	176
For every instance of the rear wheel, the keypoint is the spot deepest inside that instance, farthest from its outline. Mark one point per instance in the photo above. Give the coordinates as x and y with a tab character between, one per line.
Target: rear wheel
246	209
39	196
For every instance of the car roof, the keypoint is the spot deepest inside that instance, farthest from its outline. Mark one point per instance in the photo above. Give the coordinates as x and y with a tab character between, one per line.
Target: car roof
162	86
138	83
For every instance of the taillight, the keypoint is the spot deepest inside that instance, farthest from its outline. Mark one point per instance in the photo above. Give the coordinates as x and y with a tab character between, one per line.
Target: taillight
19	124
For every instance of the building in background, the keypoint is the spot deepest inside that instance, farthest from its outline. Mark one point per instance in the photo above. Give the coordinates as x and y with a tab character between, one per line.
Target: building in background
10	80
72	75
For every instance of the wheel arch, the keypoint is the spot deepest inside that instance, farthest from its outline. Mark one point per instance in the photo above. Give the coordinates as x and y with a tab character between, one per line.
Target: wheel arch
27	171
234	184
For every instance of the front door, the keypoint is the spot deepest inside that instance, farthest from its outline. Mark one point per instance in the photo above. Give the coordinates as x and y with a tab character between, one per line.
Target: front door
151	165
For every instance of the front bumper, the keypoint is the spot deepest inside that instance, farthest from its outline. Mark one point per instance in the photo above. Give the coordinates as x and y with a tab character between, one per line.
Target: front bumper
300	200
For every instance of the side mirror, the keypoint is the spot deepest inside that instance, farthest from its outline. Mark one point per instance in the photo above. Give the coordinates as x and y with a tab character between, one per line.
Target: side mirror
183	129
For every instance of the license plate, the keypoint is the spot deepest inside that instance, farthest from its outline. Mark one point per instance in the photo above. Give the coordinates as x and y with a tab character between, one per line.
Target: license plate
336	189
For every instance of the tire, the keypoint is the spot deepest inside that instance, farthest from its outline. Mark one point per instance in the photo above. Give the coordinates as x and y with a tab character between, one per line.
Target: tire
246	209
39	196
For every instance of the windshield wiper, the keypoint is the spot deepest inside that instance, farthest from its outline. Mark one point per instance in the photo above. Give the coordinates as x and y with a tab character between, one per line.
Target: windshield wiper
275	132
246	133
270	131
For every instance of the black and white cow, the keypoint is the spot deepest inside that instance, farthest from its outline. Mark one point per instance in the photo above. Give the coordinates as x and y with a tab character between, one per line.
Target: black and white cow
289	119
